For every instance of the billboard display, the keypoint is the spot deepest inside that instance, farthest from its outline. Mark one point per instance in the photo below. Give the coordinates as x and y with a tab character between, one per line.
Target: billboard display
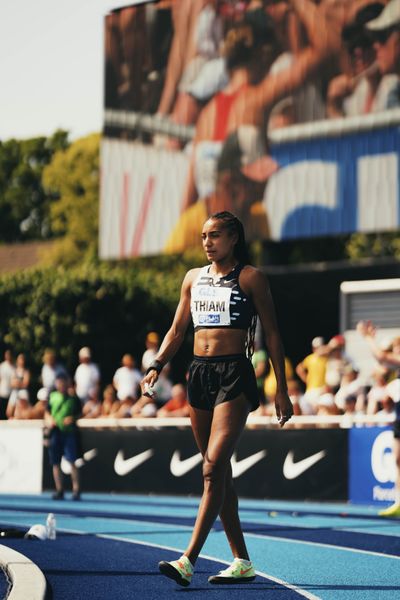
372	468
220	105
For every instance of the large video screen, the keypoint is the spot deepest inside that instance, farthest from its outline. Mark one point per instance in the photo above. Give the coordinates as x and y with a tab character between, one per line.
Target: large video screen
285	112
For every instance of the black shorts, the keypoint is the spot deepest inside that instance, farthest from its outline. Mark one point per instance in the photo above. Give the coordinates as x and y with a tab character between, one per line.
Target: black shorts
217	379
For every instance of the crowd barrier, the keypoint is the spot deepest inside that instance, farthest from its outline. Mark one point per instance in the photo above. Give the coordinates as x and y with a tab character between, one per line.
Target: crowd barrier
312	459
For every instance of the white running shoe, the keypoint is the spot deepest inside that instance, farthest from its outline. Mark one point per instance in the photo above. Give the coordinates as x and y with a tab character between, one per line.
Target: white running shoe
240	571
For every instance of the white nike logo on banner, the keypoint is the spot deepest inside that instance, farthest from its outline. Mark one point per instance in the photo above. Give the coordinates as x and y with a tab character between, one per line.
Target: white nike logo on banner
123	466
181	467
240	466
292	469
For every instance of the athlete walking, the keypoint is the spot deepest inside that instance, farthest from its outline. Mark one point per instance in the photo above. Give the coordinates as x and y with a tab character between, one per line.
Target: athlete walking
223	299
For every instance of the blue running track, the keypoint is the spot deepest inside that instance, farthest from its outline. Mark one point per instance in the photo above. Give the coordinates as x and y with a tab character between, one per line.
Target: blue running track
108	547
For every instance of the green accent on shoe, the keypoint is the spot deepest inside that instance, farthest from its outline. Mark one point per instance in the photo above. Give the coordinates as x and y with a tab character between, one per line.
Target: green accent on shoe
180	570
237	572
391	511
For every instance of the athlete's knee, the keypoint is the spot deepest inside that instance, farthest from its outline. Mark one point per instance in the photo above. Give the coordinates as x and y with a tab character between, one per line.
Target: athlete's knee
214	471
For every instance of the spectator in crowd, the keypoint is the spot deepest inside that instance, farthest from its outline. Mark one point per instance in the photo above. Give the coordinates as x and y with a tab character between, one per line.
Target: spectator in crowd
21	408
92	408
259	361
197	38
20	379
312	370
7	370
251	92
377	392
127	379
336	362
385	31
110	404
42	399
301	406
388	409
351	384
177	405
61	416
152	345
87	376
365	89
270	384
349	412
50	370
390	359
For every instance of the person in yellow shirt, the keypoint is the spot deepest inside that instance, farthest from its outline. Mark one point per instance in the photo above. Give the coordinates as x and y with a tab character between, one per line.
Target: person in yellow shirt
312	370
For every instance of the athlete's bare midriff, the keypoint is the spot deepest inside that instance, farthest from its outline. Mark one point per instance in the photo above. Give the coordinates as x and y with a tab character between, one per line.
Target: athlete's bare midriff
219	341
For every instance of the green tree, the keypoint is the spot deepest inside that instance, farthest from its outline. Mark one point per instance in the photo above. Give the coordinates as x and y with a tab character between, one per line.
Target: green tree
24	205
72	181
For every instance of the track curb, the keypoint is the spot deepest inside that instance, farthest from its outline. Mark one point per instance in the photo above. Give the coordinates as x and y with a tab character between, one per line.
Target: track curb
28	581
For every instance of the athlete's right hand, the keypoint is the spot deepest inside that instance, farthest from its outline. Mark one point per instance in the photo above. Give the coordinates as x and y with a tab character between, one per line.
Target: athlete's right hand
148	381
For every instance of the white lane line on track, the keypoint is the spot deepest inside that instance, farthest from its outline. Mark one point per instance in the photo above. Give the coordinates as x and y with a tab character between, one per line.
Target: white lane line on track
320	545
294	588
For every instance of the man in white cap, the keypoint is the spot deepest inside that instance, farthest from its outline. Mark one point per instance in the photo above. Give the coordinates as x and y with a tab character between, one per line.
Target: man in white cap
87	376
385	31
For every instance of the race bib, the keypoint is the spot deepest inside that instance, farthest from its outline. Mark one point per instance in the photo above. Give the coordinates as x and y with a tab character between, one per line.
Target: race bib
210	306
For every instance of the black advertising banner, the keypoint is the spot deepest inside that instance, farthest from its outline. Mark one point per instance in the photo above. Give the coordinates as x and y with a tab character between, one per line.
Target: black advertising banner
291	464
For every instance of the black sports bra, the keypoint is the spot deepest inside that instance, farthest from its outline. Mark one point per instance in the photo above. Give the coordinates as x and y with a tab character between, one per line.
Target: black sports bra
220	303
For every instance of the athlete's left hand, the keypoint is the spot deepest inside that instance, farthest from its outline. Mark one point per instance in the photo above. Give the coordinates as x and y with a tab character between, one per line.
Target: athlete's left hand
283	407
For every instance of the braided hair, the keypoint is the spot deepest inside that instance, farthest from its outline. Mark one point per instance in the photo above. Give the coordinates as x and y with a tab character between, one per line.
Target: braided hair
240	252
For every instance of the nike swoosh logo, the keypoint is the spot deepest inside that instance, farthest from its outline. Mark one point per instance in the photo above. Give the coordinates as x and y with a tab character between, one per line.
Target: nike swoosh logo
241	466
180	467
123	466
292	470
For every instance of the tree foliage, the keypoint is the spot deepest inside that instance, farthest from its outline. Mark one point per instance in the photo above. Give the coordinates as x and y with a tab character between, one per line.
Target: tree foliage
72	180
24	205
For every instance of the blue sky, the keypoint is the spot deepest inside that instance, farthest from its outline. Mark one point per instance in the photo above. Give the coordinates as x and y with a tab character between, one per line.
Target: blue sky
51	68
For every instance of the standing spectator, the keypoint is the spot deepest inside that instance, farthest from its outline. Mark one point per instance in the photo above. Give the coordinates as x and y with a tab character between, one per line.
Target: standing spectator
152	345
87	376
61	415
312	370
336	361
7	370
20	379
391	359
50	370
127	379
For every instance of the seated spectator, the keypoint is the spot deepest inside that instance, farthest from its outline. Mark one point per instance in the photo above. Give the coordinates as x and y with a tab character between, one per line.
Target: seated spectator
87	376
177	405
22	408
152	344
110	404
377	391
325	406
92	408
127	379
388	409
349	412
39	409
145	407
